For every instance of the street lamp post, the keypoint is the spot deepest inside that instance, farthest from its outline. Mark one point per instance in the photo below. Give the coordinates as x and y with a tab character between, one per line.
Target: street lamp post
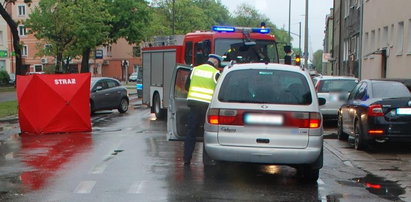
306	36
289	22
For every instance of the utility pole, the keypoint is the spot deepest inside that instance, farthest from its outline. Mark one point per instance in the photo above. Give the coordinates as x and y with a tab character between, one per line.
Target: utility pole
289	22
306	36
174	16
299	39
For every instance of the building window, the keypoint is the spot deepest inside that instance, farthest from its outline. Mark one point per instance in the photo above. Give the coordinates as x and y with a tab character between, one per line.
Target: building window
22	30
1	38
21	10
136	51
372	42
378	39
385	37
409	37
38	68
400	38
25	51
346	8
366	47
345	53
2	65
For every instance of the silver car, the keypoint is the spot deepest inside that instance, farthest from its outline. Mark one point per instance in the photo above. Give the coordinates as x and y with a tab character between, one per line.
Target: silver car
107	94
335	90
265	114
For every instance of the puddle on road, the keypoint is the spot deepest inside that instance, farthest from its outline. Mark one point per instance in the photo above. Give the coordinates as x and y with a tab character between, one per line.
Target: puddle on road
379	186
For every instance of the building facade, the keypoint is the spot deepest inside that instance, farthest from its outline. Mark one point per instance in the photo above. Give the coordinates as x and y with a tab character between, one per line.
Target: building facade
386	39
347	37
327	68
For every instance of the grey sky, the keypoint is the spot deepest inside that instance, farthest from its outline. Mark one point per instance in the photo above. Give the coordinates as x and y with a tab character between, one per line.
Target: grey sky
277	11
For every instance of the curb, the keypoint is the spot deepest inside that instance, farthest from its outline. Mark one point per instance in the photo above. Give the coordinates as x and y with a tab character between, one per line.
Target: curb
9	118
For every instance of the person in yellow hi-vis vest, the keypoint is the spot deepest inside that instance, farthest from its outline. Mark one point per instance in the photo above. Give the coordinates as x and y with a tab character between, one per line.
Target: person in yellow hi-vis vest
203	80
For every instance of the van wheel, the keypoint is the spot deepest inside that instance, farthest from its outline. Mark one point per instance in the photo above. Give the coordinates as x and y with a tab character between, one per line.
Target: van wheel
123	107
340	133
311	175
157	107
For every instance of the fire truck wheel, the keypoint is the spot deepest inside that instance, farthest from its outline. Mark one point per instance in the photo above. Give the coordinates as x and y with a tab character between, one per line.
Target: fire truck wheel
157	107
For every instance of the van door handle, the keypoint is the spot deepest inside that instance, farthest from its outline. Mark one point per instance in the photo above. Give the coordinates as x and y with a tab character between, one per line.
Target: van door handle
263	140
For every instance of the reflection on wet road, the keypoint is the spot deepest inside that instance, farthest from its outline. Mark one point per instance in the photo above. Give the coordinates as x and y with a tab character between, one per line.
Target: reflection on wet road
127	158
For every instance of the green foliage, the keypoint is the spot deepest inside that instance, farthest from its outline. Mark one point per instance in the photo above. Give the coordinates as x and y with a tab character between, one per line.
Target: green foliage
130	19
4	78
190	15
71	27
318	60
49	69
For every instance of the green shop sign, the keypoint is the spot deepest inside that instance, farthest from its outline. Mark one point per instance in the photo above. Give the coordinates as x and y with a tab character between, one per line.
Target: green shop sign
3	54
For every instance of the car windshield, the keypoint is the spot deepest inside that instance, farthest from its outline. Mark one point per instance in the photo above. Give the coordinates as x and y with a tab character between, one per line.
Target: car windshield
389	90
265	86
336	85
234	49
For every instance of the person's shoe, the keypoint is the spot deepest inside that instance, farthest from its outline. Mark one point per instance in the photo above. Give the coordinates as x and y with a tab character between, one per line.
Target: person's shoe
187	163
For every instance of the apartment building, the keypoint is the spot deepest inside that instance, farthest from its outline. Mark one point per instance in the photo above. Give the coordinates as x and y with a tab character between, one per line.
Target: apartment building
347	37
327	67
104	61
386	39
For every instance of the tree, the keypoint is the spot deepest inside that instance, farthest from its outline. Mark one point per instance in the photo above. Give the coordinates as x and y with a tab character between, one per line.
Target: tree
16	39
74	28
318	60
68	26
189	15
248	16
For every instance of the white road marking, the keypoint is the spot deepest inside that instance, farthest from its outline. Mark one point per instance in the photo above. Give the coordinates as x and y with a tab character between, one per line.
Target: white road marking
137	187
101	167
85	187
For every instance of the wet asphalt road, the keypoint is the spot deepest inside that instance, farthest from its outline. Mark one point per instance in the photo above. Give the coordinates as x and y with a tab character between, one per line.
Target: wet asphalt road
127	158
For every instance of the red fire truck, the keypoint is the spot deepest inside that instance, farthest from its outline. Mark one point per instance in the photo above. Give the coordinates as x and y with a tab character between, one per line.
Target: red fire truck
161	56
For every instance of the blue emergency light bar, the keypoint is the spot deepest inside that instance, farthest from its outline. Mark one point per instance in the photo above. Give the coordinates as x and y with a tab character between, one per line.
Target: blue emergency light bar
233	29
223	29
261	30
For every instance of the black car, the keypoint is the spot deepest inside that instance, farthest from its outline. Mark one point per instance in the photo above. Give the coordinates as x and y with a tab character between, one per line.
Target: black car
107	94
376	112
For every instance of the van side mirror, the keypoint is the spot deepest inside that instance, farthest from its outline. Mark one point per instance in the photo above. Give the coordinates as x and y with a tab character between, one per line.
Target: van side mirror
321	101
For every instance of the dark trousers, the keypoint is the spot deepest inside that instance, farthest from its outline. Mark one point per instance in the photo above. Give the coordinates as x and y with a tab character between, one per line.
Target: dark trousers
196	120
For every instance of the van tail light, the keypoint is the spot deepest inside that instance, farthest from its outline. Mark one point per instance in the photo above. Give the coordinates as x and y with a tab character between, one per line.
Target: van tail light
375	110
225	117
305	120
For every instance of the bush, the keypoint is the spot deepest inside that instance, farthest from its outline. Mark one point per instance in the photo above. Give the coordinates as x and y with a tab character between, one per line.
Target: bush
4	78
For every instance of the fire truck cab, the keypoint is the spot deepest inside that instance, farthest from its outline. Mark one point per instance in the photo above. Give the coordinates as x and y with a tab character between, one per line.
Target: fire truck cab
162	56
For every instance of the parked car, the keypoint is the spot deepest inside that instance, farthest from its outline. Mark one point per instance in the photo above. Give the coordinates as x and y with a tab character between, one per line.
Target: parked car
12	80
133	77
260	113
107	94
335	90
376	112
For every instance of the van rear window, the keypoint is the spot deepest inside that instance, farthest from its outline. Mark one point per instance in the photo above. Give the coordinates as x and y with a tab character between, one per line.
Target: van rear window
265	86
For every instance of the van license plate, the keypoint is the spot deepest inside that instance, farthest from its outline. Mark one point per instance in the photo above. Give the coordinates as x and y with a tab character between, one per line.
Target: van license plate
264	119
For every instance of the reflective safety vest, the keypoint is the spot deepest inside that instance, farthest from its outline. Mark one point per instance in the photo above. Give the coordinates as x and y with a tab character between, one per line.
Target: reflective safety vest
203	82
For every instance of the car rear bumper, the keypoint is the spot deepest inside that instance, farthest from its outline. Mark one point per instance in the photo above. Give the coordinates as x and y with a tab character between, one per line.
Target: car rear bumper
281	156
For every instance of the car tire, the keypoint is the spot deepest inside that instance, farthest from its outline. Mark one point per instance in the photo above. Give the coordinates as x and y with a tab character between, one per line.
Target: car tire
340	133
92	107
157	107
123	107
359	143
